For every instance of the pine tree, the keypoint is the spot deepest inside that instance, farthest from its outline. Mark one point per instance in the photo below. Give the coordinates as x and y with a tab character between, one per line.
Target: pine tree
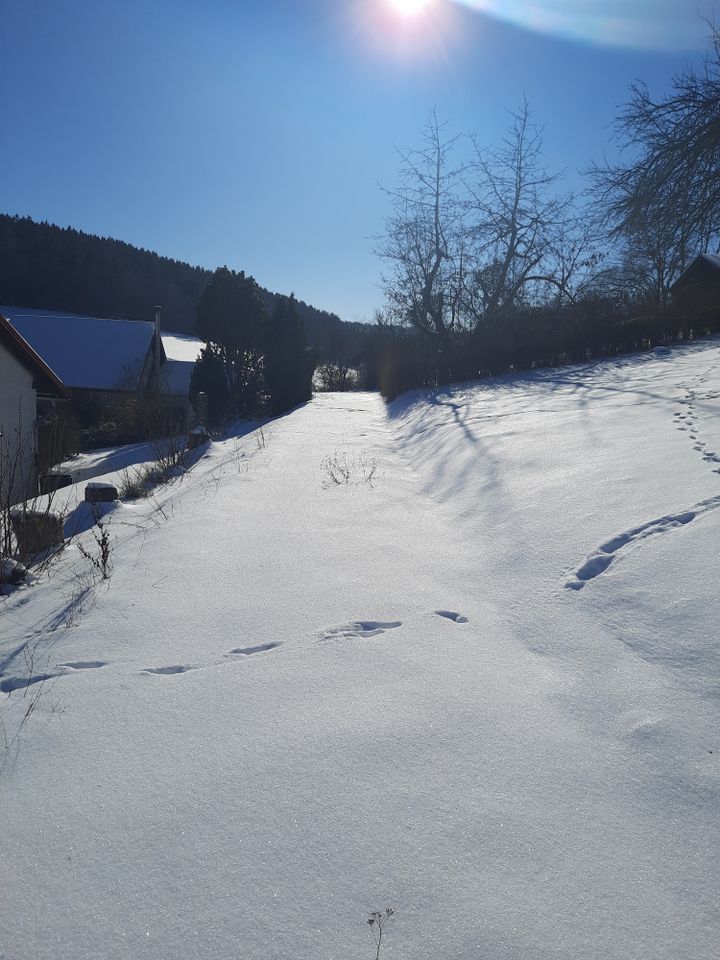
209	377
231	317
289	364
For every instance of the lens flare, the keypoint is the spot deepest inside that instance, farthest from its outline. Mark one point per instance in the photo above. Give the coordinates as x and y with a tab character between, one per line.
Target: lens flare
409	8
642	24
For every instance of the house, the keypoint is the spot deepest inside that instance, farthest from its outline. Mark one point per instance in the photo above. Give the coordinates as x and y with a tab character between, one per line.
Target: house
109	368
100	359
696	293
25	381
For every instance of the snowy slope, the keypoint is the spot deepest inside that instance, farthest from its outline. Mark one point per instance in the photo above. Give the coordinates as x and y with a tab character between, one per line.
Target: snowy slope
296	701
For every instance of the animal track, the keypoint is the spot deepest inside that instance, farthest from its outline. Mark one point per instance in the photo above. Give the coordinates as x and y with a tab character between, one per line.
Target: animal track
600	560
451	615
687	422
84	664
10	684
168	671
362	629
248	651
175	669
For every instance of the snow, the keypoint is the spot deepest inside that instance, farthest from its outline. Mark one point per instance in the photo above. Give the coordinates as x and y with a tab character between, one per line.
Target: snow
104	460
85	352
182	352
296	701
181	347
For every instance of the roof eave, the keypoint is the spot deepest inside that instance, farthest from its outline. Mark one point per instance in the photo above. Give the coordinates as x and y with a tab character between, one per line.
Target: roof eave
32	361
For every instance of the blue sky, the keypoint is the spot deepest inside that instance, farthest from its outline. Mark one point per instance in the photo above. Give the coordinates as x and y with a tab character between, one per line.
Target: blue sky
255	134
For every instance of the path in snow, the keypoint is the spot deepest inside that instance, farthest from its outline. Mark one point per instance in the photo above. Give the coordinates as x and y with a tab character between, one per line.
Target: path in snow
296	702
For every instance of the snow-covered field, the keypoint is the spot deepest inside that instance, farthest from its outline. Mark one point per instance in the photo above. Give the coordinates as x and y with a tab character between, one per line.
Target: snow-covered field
477	683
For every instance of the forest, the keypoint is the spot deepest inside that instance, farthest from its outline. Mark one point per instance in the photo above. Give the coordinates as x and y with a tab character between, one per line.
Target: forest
60	268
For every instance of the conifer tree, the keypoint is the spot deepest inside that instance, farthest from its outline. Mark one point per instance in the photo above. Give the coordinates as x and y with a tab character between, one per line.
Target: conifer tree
289	364
209	377
231	316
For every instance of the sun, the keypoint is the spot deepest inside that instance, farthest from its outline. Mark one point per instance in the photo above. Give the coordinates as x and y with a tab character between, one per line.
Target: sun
409	8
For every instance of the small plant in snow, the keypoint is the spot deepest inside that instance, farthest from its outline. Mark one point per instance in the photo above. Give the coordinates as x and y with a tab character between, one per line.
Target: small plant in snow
337	469
101	534
368	468
377	921
341	469
77	595
139	483
133	485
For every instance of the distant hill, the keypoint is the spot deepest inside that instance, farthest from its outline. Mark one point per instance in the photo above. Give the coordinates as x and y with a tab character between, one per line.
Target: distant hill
46	266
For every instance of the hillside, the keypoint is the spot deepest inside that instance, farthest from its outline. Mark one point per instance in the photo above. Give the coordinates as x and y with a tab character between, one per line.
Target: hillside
45	266
477	682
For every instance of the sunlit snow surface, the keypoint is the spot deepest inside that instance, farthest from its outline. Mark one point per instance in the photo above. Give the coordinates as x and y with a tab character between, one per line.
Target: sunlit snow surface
481	688
182	347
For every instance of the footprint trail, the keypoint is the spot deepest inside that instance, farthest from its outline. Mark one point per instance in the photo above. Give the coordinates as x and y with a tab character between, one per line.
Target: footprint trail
360	629
608	552
451	615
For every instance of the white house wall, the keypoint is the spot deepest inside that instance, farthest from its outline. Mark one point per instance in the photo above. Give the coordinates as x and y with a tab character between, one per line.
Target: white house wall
18	411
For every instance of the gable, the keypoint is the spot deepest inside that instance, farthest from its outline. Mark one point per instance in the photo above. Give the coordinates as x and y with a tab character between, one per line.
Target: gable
703	274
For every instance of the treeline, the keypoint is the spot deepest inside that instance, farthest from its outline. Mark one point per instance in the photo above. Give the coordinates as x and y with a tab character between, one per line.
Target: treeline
535	338
258	362
46	266
492	266
59	268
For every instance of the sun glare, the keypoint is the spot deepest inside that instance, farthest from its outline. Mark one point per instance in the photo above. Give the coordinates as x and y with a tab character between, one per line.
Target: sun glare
409	7
407	31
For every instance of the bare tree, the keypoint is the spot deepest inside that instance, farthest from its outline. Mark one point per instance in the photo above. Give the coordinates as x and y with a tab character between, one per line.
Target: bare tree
523	235
664	202
26	518
423	240
652	246
18	478
644	267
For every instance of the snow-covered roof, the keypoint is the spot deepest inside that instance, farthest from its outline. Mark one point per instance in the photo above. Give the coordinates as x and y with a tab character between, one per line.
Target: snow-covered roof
86	352
181	351
179	346
46	380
